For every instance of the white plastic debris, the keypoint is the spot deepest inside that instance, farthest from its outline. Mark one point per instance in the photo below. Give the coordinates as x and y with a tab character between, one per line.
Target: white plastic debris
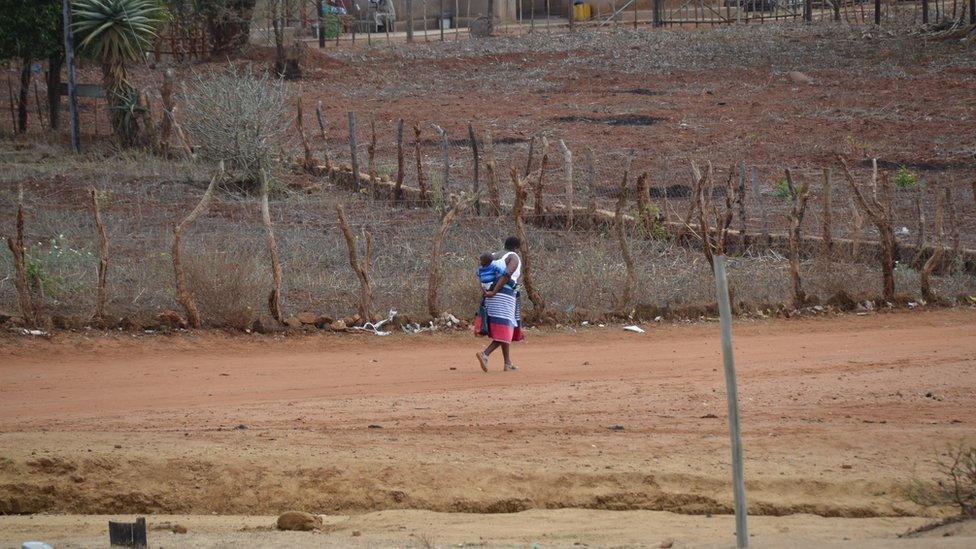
26	331
375	328
658	318
35	545
635	329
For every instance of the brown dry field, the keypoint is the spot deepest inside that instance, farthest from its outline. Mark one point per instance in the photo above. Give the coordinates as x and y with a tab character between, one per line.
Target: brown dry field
839	414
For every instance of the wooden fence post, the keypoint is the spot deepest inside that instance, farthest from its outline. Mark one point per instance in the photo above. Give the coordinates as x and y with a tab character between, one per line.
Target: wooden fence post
274	299
798	205
618	227
568	167
325	140
18	250
102	296
421	181
827	232
398	190
937	251
494	200
410	21
360	266
184	295
352	150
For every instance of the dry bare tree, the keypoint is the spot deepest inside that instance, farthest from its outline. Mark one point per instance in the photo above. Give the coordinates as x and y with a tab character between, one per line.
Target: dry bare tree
274	298
798	205
879	211
494	199
19	253
694	202
938	251
421	180
630	285
517	211
102	292
434	278
360	266
568	172
714	241
184	295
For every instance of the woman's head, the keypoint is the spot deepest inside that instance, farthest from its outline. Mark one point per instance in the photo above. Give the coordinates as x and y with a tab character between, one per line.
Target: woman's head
513	243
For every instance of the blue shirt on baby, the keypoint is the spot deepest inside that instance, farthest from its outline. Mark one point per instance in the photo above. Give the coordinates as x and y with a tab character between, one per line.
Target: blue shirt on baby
489	275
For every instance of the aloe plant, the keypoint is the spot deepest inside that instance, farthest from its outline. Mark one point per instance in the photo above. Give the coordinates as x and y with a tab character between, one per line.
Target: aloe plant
114	33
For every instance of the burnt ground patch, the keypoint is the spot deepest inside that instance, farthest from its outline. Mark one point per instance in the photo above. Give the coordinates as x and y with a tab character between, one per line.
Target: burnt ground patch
615	120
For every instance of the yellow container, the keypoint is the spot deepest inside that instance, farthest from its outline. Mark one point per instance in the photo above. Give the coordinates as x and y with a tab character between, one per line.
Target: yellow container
582	12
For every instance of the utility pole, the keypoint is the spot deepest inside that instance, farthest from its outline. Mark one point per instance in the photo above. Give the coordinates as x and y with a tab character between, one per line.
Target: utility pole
69	55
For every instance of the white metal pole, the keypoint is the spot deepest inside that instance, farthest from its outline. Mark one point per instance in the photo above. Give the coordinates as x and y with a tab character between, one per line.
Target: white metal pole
732	394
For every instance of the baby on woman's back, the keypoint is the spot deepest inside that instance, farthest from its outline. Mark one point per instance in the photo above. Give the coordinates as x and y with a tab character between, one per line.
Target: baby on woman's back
489	272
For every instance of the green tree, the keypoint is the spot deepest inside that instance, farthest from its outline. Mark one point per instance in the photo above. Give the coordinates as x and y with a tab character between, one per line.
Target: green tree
30	30
115	33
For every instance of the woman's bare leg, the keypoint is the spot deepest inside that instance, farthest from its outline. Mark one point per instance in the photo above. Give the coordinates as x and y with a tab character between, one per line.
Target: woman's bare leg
494	345
506	352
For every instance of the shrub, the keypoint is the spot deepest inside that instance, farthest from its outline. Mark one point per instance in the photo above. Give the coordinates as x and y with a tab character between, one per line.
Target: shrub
905	179
955	485
236	116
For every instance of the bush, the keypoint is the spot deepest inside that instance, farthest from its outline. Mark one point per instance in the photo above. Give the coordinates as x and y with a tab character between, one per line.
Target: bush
955	485
236	116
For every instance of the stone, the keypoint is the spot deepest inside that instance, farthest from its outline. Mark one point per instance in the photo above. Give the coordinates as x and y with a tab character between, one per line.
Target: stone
338	326
798	77
171	319
293	322
299	521
323	321
179	529
306	317
667	544
264	324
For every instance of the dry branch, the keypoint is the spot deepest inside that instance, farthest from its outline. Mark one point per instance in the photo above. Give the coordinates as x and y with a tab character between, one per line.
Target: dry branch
618	223
434	278
19	252
520	193
880	215
798	205
183	295
274	299
919	223
494	199
698	182
645	212
421	181
743	219
361	267
102	294
528	163
568	171
590	185
937	252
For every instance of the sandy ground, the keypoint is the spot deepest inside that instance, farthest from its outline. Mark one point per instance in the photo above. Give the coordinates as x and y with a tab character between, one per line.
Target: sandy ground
839	414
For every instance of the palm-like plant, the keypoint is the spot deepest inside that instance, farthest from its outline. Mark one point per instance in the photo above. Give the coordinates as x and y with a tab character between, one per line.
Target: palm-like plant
115	32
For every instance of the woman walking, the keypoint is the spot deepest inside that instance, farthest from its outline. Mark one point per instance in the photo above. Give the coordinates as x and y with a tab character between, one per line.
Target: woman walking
503	306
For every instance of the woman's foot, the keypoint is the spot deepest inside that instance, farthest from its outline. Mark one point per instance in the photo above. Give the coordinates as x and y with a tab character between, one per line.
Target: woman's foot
510	367
483	360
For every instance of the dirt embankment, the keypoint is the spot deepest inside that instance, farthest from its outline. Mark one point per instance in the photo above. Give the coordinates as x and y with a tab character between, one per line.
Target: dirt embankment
838	415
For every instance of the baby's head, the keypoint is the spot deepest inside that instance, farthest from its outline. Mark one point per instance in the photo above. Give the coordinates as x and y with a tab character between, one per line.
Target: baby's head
486	259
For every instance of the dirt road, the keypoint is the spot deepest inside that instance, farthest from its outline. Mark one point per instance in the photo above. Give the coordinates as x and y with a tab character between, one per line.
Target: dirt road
838	414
